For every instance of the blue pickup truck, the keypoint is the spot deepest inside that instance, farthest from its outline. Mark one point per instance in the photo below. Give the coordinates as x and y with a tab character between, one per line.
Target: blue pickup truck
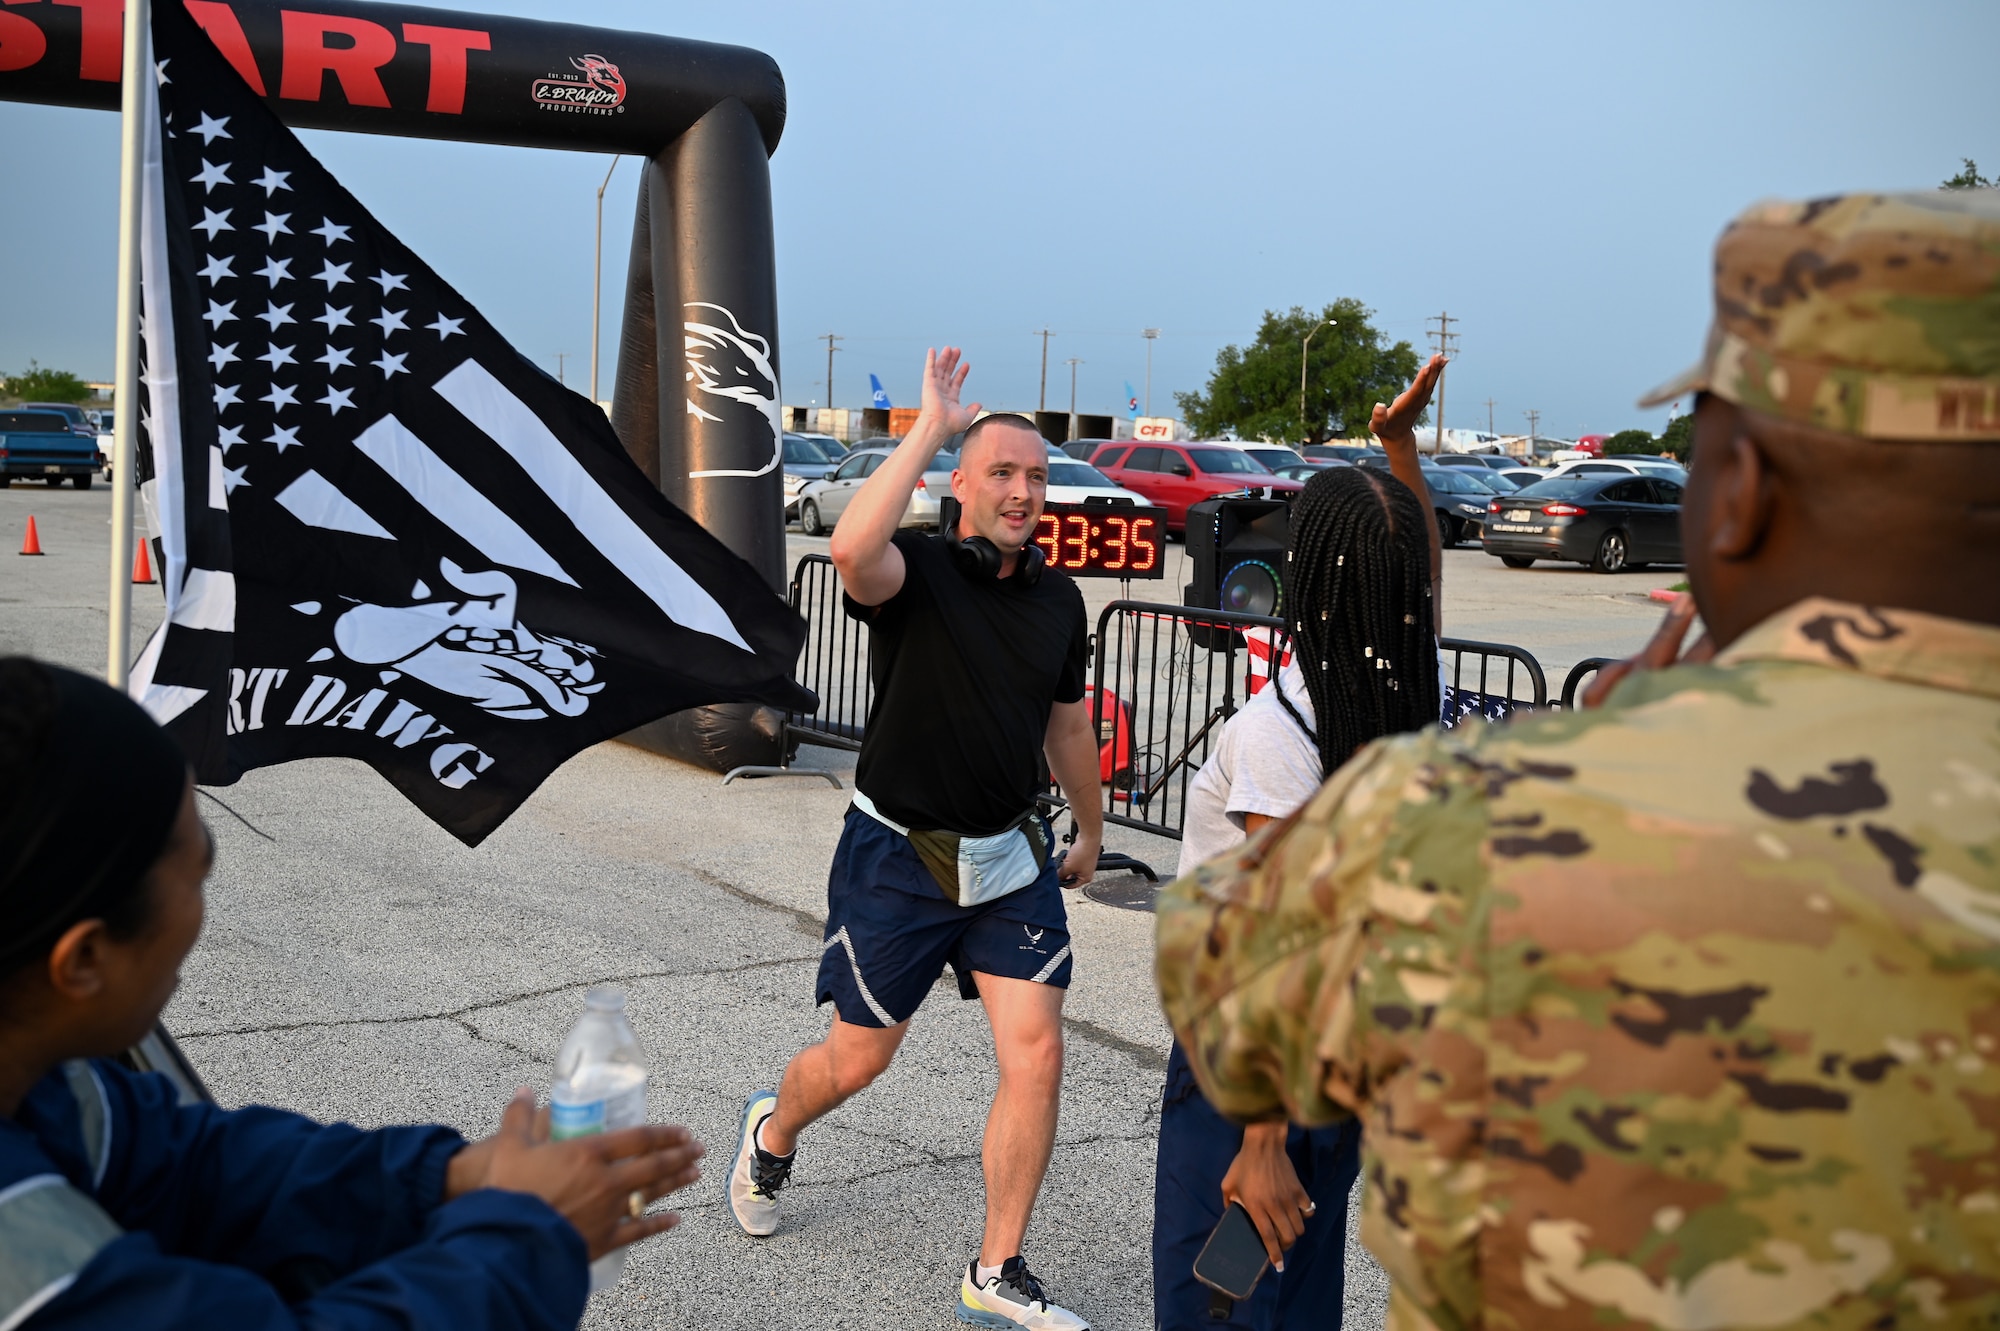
42	445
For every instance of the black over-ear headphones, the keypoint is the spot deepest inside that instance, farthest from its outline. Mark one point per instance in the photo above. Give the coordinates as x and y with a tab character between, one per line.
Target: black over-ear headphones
977	557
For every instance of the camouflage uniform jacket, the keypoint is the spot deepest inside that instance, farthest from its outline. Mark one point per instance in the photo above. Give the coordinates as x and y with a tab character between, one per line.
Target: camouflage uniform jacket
1682	1013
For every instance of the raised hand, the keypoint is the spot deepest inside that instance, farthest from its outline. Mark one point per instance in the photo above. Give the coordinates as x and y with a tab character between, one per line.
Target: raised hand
944	379
1397	422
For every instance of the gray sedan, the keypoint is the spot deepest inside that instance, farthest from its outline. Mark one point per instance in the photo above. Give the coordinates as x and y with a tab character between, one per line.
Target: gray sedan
822	502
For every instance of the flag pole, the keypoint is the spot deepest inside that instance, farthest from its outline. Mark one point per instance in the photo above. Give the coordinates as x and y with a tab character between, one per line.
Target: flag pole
125	426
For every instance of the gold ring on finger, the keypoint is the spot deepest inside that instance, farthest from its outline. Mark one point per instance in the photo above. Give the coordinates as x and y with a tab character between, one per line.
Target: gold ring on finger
636	1203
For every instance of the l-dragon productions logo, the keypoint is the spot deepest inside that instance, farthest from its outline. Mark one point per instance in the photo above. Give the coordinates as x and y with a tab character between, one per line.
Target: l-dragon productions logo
600	92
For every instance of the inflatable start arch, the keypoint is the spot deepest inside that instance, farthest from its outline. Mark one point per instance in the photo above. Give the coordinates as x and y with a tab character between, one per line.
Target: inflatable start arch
696	396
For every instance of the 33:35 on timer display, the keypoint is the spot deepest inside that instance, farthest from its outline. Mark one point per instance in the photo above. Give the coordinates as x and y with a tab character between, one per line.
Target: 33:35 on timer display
1103	540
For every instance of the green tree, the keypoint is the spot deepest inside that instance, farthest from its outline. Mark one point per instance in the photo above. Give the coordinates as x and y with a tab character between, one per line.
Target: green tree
1677	440
1630	441
1969	178
1254	390
36	384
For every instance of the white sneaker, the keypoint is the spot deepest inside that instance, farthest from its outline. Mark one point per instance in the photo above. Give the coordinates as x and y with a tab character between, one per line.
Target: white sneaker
756	1176
1012	1298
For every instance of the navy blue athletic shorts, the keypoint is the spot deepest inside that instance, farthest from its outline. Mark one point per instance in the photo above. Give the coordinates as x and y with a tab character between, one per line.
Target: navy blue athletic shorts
890	930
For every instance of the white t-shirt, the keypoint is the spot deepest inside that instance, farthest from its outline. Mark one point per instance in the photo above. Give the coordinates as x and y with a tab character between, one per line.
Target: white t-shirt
1262	763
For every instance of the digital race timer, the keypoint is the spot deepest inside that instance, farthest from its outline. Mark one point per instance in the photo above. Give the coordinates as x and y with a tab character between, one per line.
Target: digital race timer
1104	540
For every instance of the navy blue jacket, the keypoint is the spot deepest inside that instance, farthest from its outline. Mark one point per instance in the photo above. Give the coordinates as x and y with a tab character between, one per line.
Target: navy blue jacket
256	1218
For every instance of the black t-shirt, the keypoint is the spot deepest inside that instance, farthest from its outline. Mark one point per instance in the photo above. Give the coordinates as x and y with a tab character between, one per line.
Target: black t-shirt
966	672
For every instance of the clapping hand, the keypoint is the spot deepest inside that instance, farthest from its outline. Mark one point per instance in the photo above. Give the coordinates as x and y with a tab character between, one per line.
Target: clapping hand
1663	650
1397	423
944	379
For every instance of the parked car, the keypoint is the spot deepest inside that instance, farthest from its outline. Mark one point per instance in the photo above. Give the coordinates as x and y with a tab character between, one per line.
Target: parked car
804	459
1073	482
1173	476
1474	461
1460	500
822	502
1081	449
1305	471
74	417
1523	476
1611	522
831	446
1079	482
41	444
1273	456
1623	466
1459	497
1340	452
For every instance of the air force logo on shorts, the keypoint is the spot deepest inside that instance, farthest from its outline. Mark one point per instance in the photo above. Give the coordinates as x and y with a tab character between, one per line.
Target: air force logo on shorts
890	930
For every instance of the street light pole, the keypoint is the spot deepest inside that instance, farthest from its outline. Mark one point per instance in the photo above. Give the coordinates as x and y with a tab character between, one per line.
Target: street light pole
1151	335
1304	429
597	280
1073	362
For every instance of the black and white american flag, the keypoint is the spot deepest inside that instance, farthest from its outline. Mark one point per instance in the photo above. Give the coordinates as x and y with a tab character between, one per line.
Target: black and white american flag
384	534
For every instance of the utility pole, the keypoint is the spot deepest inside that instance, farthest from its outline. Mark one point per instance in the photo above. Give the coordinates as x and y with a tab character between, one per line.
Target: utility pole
597	279
1042	401
1073	362
1489	415
1534	428
1444	342
561	356
1151	335
829	339
1305	430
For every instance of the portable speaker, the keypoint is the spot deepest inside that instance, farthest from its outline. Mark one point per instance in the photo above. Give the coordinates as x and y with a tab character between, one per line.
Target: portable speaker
1237	548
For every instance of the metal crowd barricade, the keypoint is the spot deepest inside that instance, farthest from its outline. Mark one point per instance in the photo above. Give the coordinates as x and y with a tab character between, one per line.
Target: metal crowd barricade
1164	680
1490	679
1578	673
1167	678
834	661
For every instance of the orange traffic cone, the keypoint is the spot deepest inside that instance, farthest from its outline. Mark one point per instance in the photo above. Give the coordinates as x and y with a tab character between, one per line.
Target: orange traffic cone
142	565
33	544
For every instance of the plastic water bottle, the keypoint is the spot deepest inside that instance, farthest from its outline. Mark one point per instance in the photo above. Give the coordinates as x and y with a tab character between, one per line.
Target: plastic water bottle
600	1087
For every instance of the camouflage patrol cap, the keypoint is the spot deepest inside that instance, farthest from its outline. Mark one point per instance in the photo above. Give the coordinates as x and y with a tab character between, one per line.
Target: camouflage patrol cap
1871	314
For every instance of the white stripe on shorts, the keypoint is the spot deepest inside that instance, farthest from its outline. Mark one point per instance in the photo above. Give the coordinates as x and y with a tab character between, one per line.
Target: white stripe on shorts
881	1013
1042	975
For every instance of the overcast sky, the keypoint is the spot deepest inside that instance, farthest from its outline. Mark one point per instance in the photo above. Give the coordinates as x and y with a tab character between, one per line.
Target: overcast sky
1551	174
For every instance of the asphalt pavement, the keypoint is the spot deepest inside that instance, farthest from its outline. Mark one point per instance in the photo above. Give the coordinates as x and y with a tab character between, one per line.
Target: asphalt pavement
360	964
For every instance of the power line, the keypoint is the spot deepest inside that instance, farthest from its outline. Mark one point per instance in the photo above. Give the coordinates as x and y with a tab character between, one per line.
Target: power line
1445	343
1042	401
829	339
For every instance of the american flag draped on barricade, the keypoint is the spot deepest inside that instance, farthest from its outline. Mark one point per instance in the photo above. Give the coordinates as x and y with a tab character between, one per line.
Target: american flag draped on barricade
384	534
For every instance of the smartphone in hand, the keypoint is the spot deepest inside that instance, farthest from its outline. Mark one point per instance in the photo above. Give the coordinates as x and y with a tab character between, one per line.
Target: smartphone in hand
1233	1260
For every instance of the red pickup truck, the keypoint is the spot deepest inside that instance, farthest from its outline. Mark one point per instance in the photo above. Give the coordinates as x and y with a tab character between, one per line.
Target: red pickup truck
1177	475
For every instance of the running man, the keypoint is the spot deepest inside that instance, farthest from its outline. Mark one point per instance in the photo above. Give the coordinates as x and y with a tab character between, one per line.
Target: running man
979	658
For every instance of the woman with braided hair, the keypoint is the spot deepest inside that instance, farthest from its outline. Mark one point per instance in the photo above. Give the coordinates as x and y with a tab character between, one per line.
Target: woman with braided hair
1361	606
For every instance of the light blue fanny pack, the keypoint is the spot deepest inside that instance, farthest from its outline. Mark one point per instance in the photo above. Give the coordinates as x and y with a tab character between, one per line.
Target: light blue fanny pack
973	870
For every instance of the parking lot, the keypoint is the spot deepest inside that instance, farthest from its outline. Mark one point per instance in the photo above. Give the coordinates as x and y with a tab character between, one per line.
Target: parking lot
359	963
